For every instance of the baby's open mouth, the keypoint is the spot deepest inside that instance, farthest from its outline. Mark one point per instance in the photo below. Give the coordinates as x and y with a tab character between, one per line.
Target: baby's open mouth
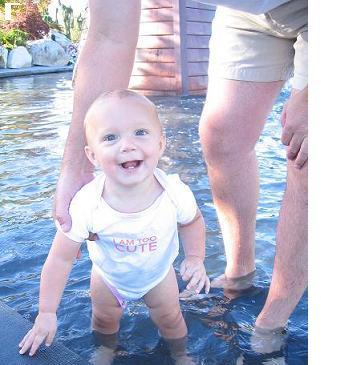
131	164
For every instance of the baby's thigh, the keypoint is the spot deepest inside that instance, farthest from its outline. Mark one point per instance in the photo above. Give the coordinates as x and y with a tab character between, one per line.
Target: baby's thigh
106	310
165	296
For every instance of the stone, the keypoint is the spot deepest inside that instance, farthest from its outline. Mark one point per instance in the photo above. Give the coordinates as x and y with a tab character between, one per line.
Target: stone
19	57
3	57
46	52
60	38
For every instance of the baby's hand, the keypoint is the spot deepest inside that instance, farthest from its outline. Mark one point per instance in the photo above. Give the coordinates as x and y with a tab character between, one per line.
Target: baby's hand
192	269
44	329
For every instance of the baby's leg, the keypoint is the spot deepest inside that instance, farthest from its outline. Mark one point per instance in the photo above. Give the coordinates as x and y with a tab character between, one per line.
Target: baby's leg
106	310
163	303
106	315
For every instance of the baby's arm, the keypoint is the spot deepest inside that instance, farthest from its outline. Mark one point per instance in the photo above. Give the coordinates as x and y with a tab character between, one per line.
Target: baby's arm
192	269
54	277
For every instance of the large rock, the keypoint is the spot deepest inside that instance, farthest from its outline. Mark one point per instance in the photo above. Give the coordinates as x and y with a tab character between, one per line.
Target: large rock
3	57
19	57
46	52
60	38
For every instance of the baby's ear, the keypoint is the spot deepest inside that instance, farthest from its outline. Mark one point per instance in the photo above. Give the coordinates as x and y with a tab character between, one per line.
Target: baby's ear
91	155
162	143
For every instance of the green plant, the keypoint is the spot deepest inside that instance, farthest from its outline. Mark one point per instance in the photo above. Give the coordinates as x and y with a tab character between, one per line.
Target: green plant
30	21
68	18
51	23
13	38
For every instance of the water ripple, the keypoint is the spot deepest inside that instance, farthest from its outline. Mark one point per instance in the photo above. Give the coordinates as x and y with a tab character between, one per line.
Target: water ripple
35	112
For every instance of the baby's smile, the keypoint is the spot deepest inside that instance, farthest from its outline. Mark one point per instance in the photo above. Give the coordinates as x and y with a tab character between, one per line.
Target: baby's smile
131	164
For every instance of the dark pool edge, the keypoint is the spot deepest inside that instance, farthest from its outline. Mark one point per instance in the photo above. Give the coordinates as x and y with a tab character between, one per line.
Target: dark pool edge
13	328
35	70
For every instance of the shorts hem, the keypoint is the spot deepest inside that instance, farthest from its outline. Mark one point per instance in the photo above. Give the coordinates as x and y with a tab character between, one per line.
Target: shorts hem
251	75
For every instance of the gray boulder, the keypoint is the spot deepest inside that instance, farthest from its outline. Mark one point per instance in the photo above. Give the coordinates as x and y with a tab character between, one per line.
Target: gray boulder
19	57
3	57
46	52
60	38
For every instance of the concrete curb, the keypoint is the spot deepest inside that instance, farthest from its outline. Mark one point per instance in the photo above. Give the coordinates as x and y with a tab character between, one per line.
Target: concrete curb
13	328
35	70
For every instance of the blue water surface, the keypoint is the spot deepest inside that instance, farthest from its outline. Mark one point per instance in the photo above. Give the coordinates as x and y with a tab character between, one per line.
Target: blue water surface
35	112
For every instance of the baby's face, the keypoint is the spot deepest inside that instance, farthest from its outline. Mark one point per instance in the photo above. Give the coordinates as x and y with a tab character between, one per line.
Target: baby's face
124	139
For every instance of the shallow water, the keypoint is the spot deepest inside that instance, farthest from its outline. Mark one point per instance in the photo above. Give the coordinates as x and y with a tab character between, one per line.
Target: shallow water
34	116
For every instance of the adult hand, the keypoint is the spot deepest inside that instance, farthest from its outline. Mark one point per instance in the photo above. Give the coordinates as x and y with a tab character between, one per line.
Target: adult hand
68	185
44	329
192	269
294	120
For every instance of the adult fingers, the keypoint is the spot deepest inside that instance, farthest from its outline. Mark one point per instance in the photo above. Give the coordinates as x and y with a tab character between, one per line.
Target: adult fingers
286	136
294	146
283	115
61	211
302	156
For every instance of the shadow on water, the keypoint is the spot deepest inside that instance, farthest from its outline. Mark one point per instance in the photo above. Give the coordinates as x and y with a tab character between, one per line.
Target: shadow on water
35	113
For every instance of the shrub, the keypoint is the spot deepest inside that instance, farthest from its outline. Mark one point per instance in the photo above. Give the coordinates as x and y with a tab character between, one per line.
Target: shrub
13	38
30	22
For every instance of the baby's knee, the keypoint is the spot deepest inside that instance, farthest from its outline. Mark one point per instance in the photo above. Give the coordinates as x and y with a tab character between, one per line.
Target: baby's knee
105	323
169	320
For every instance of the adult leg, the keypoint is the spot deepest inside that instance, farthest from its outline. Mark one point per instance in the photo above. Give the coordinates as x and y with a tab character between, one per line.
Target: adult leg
231	123
290	274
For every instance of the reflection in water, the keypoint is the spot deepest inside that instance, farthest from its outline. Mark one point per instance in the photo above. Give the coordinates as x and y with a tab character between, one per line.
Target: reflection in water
35	113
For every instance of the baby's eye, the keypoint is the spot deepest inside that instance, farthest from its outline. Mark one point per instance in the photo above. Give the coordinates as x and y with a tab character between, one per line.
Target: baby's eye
141	132
110	137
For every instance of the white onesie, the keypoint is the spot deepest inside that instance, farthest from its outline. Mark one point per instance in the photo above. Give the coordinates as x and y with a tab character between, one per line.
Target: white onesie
134	251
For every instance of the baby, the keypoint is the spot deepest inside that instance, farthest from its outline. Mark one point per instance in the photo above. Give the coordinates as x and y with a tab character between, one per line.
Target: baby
134	211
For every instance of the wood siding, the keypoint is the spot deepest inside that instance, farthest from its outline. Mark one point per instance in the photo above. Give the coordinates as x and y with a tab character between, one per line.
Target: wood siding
172	50
198	32
154	70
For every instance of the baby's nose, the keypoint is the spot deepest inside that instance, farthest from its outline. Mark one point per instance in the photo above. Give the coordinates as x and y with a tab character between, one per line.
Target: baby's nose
127	145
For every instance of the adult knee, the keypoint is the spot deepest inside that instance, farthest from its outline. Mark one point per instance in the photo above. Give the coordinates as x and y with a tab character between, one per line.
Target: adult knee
297	182
222	140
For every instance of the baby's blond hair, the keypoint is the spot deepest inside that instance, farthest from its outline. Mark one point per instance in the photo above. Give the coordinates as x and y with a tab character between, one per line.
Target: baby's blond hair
122	94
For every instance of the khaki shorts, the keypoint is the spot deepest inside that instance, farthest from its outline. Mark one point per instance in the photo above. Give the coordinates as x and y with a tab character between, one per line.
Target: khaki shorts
268	47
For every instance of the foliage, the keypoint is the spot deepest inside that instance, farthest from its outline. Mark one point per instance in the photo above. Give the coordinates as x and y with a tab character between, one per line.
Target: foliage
13	38
52	24
43	6
79	26
30	21
43	9
72	25
68	18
